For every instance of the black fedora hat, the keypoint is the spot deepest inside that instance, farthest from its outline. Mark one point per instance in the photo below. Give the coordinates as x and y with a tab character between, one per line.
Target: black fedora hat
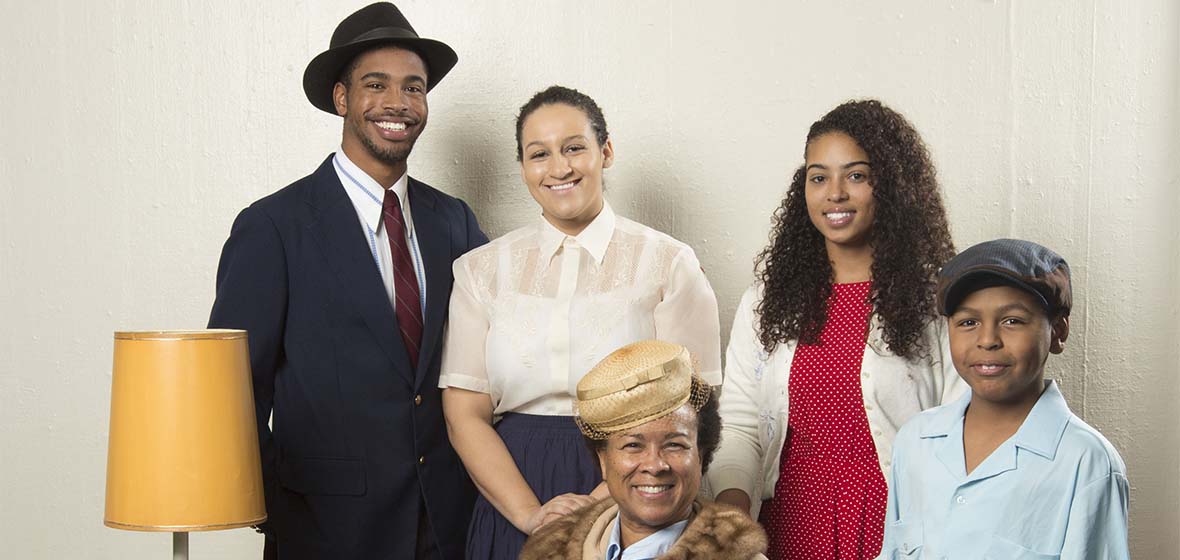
373	25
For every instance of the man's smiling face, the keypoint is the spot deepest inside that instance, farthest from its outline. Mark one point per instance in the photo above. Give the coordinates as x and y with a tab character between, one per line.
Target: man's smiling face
383	105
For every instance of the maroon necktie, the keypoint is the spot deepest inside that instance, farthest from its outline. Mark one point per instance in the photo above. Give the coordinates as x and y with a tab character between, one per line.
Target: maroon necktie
405	283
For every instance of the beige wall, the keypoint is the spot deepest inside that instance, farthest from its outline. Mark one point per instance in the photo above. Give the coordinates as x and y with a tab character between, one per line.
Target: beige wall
131	133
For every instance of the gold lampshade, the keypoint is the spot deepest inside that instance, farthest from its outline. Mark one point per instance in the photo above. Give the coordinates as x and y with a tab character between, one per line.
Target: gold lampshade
183	452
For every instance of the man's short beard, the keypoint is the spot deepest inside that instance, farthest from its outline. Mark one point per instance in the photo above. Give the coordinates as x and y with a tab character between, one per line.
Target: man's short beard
392	156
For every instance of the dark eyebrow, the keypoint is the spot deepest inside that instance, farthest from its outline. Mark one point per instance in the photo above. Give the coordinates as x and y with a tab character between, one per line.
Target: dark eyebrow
667	436
386	77
963	309
1017	305
376	75
1003	309
567	139
823	167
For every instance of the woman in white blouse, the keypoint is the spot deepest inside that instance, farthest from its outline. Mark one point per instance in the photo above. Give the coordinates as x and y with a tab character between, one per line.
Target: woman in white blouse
534	310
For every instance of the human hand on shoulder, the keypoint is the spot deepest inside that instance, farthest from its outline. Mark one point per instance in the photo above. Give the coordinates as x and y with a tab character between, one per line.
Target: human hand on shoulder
564	504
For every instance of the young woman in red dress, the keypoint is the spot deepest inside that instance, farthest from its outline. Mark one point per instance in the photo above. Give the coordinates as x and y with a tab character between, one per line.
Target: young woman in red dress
837	343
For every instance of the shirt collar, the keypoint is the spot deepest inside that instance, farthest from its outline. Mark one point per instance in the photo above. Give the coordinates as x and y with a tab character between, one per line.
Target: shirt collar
1040	432
941	421
647	548
1045	425
595	238
367	194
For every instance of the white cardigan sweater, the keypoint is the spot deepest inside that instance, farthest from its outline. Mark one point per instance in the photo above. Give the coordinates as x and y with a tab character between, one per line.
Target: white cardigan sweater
754	399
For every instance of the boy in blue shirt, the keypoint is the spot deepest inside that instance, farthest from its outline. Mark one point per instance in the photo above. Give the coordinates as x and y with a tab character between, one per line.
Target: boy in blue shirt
1006	471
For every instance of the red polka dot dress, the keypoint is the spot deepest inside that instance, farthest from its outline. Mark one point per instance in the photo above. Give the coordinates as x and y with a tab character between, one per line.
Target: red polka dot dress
829	501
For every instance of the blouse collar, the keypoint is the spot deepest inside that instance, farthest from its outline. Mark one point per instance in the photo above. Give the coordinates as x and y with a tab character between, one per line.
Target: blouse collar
595	238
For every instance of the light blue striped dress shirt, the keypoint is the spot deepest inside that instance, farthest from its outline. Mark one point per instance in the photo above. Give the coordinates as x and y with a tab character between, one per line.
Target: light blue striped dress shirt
367	197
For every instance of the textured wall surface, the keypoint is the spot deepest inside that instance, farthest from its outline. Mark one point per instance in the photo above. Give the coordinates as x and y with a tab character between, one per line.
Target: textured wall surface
131	133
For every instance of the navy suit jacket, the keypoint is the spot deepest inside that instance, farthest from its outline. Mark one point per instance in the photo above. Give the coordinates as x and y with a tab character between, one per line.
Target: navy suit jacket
359	440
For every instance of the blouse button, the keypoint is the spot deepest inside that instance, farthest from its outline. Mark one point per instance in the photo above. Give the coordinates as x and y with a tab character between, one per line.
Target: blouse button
960	499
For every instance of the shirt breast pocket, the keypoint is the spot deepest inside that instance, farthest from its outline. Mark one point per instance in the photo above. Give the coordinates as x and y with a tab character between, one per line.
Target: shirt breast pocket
1002	549
907	541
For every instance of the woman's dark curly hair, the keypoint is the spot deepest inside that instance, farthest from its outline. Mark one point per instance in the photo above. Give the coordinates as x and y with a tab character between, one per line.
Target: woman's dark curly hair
910	238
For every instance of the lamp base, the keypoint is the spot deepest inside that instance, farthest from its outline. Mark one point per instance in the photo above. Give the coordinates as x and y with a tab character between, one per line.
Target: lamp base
180	546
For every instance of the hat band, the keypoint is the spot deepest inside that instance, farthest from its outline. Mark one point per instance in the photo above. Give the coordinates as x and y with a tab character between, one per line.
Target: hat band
381	33
627	383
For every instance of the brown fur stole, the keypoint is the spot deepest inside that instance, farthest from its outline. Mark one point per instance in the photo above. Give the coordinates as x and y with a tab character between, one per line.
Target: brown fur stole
716	531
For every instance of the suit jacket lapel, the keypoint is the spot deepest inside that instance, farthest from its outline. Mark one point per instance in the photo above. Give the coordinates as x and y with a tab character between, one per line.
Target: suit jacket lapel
347	251
434	241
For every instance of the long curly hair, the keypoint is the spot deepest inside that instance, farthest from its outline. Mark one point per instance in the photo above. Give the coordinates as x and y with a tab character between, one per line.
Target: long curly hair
910	239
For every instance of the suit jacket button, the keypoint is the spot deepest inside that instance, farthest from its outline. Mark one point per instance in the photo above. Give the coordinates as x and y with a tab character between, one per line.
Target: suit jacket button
417	400
422	460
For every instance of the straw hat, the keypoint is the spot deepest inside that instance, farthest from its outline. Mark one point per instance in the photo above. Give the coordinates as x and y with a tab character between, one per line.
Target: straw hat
636	384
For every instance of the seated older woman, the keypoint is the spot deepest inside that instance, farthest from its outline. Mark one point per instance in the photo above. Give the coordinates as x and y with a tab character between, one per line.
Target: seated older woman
654	426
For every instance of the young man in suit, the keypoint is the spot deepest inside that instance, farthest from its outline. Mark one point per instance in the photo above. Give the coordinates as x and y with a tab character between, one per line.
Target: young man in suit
342	280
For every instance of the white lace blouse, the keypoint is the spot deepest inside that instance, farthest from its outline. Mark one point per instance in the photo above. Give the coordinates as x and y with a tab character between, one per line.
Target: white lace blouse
534	310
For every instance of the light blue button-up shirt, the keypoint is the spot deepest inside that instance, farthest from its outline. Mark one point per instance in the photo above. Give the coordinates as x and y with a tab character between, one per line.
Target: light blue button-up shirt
647	548
1055	489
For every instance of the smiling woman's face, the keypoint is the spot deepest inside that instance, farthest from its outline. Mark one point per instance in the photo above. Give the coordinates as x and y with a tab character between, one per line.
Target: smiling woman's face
562	163
839	190
653	471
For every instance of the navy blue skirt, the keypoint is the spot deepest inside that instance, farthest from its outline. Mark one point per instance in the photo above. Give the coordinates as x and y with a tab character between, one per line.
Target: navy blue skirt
554	460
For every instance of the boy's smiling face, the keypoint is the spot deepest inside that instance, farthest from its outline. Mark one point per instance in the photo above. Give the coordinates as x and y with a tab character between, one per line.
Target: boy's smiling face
1000	338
